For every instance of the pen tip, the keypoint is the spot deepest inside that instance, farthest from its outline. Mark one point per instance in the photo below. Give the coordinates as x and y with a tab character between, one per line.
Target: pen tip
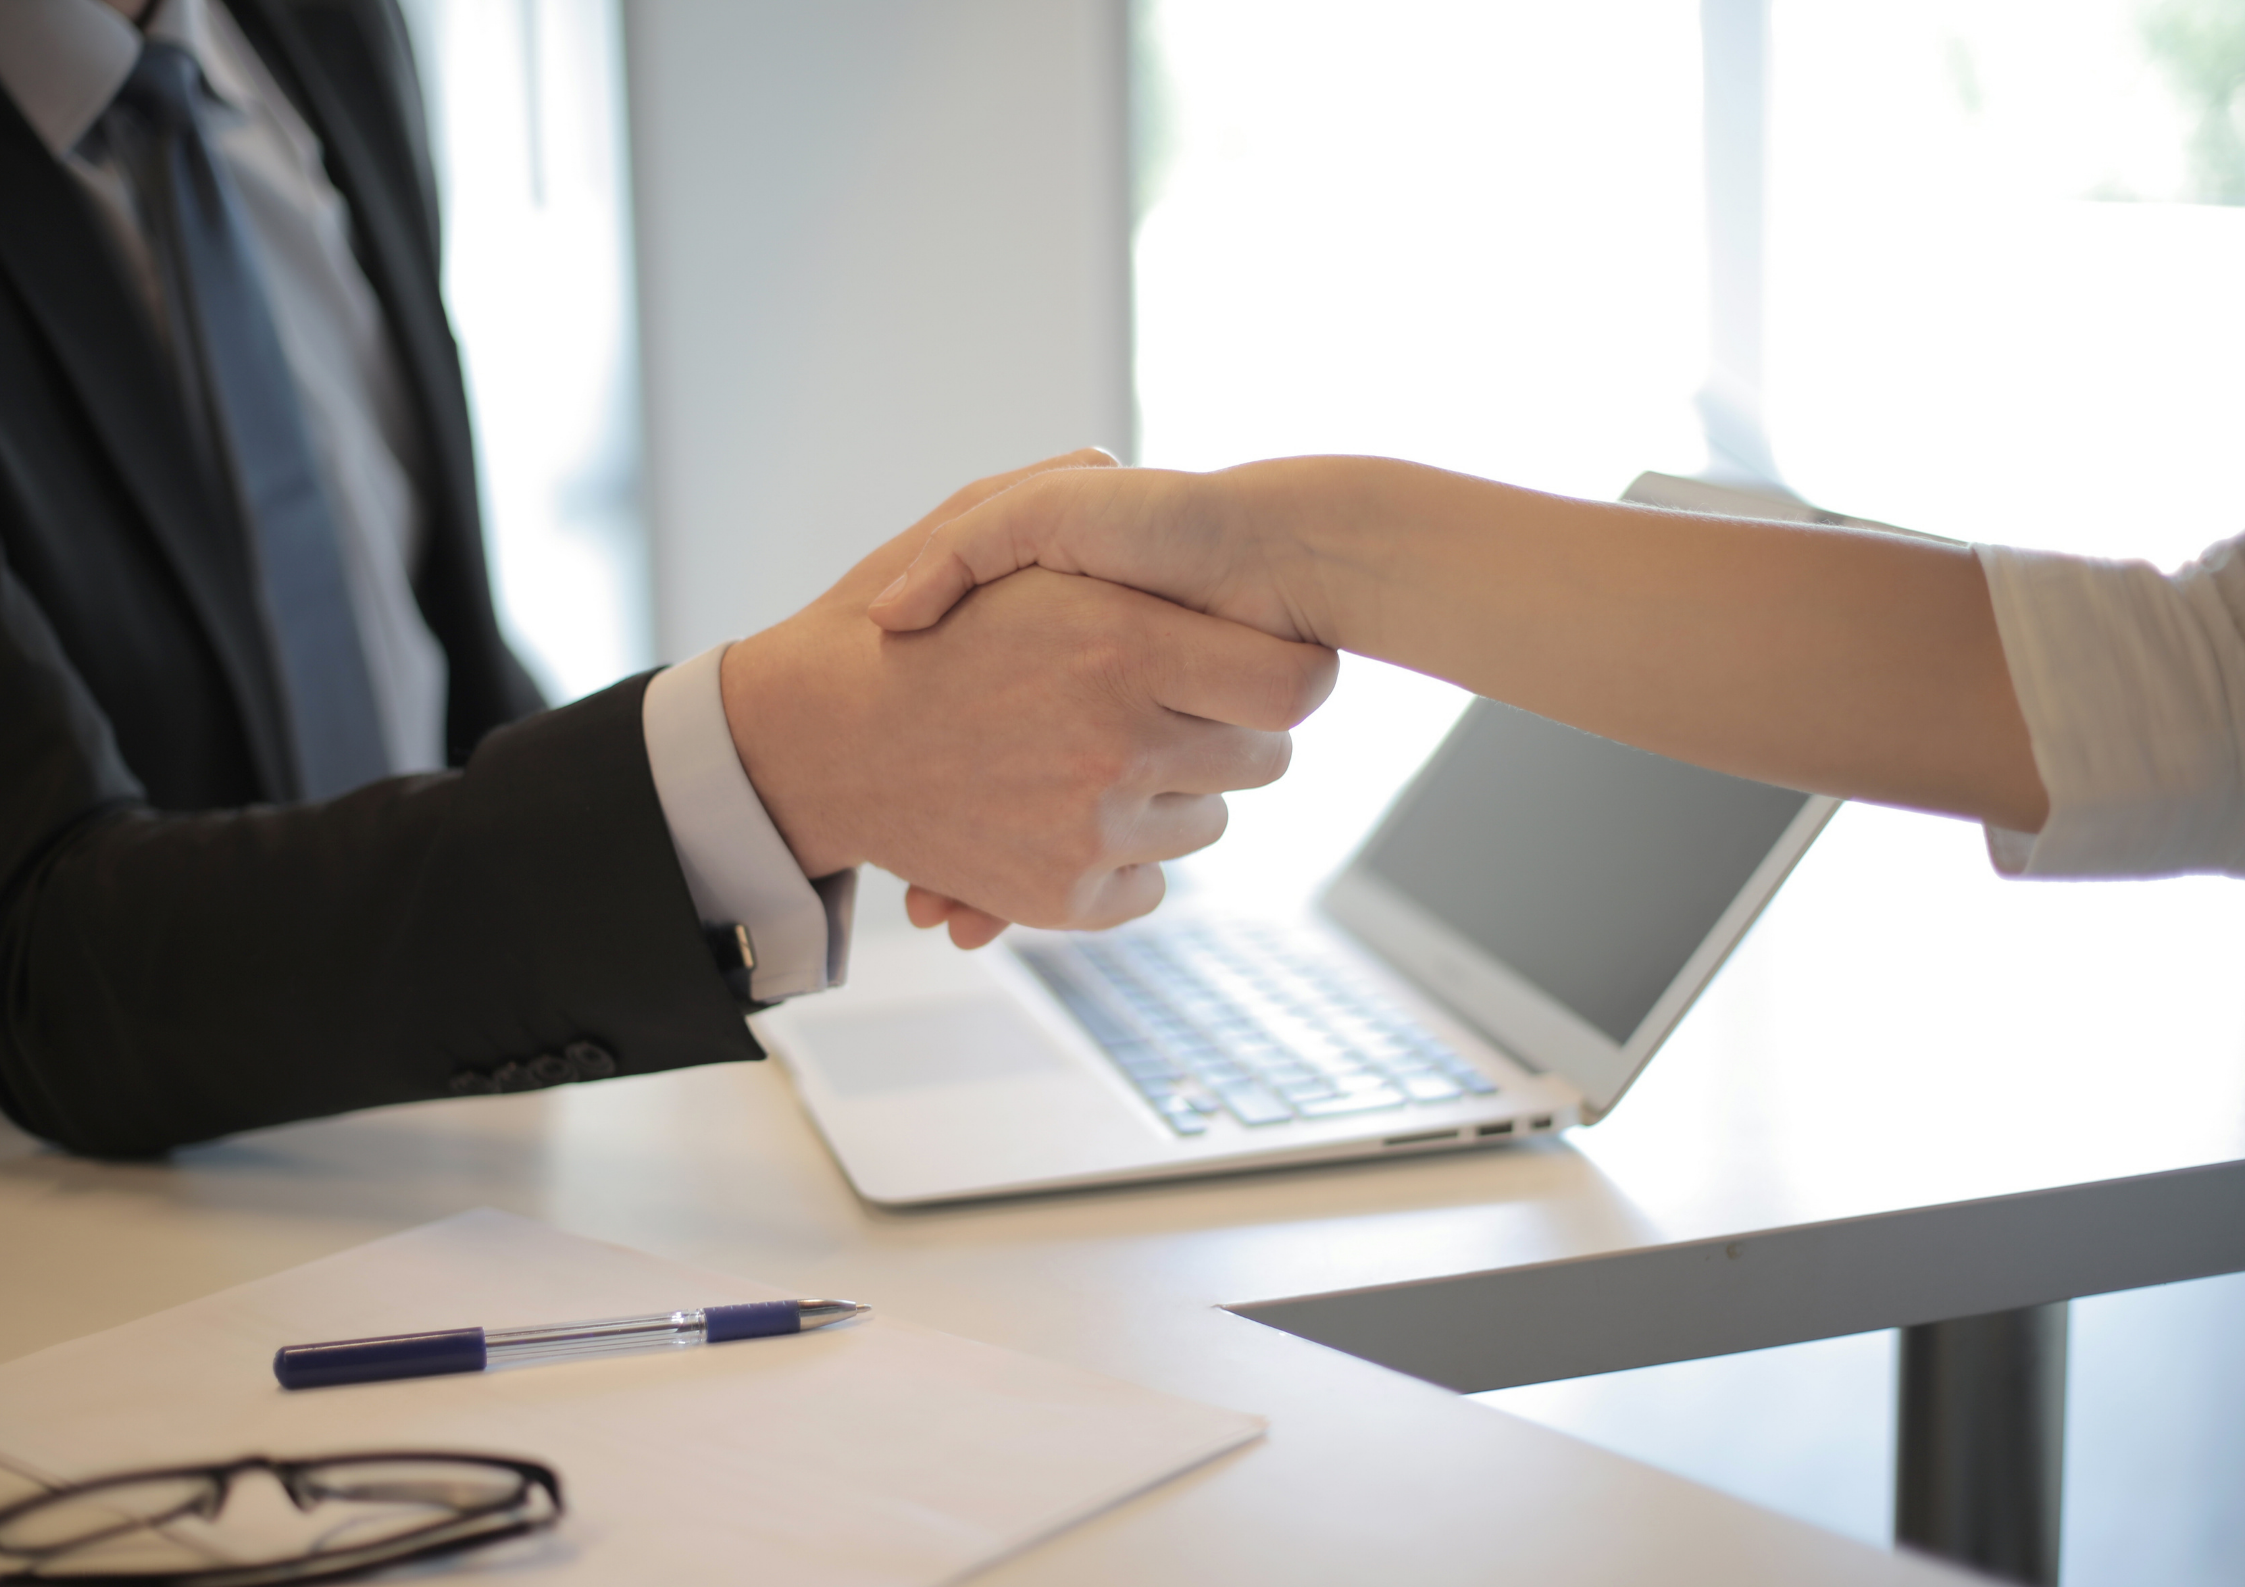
826	1313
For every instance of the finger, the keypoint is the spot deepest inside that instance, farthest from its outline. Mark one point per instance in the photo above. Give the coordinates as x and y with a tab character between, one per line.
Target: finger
971	928
883	563
926	909
1169	827
1225	672
968	497
1121	895
1001	533
1195	756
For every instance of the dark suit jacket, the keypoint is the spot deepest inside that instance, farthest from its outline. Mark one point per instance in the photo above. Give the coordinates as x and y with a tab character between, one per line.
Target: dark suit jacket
183	952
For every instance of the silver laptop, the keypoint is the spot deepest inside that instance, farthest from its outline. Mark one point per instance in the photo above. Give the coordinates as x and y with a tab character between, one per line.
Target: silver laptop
1499	960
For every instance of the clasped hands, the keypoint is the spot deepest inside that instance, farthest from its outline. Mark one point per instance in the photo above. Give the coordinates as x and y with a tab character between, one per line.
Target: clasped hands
1858	664
1030	756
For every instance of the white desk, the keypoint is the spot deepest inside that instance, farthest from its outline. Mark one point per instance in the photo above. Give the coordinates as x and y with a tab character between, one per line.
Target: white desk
1366	1475
1923	1092
1868	1052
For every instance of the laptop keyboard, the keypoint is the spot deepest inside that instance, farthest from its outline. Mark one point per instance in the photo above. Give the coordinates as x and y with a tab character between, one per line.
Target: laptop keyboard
1206	1020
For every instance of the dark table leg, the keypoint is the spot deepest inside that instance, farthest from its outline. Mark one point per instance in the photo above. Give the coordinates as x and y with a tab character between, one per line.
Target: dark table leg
1980	1449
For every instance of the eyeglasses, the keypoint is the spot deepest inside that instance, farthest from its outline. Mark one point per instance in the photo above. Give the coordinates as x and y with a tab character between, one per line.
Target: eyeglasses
344	1514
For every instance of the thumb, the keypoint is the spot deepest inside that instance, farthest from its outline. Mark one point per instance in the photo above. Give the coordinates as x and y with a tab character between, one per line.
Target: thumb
1019	527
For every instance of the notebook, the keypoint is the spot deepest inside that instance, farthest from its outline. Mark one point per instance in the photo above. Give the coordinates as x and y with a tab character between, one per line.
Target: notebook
874	1454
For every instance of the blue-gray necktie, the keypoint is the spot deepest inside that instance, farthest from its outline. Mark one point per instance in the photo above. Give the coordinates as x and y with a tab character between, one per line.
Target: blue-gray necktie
257	422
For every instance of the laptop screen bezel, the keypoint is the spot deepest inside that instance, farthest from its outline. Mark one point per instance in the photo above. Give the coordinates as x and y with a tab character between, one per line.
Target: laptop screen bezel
1511	1010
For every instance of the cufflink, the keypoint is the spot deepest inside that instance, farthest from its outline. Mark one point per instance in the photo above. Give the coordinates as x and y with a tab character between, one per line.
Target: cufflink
588	1060
735	957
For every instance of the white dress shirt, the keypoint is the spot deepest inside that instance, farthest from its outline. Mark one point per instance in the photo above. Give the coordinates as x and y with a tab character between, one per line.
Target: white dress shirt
2132	683
62	63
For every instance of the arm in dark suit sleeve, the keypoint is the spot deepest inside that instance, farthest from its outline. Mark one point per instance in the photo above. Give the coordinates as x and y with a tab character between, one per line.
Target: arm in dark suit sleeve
168	978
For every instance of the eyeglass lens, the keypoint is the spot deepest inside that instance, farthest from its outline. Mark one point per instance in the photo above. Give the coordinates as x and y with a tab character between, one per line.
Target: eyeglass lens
326	1515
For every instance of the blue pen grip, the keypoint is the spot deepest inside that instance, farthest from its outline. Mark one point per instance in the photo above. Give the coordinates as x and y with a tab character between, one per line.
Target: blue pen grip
755	1320
376	1360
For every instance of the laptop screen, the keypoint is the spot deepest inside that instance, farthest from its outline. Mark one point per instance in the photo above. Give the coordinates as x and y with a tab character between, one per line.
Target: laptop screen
1591	869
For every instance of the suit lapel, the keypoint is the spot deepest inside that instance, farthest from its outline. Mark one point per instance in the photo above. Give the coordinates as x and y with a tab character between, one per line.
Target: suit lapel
59	262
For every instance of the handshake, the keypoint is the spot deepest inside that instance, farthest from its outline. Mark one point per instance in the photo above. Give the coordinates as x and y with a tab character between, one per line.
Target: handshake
1028	755
1023	745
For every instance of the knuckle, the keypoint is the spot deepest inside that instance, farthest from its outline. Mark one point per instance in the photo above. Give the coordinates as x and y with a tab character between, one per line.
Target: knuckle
1269	758
1127	893
1079	846
1276	697
1099	766
1215	820
1149	885
1088	852
1308	683
1047	899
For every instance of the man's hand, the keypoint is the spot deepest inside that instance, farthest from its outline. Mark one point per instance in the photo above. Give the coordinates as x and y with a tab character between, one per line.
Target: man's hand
1033	756
971	927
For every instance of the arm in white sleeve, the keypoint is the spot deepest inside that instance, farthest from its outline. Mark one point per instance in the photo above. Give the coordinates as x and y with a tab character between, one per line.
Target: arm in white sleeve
2132	684
738	868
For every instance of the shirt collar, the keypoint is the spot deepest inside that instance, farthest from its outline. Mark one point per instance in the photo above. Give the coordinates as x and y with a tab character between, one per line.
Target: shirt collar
62	61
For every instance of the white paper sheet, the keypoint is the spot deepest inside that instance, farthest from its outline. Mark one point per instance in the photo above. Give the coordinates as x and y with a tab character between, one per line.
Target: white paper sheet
876	1452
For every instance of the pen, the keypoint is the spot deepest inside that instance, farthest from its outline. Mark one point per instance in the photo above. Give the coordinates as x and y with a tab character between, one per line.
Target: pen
474	1349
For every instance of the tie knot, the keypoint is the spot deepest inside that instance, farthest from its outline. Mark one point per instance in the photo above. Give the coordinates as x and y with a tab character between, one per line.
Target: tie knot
163	86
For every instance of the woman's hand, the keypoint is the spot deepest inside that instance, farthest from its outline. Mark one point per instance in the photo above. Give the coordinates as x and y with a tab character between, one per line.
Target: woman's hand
1181	536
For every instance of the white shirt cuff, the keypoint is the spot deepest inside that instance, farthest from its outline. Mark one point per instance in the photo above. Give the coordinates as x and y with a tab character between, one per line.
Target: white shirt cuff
2132	685
738	868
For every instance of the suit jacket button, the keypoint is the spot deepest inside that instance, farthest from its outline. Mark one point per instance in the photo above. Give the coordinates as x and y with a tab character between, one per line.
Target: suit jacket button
550	1069
590	1060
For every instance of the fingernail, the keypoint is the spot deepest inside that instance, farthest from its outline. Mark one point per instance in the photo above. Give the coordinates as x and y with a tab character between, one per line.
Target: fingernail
896	586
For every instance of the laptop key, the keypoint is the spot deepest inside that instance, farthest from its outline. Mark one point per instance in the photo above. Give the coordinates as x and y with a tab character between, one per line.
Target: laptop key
1251	1103
1199	1023
1182	1116
1351	1102
1141	1060
1106	1029
1431	1087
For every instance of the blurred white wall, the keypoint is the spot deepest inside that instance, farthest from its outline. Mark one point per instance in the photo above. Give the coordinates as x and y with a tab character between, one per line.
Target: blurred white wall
882	249
525	102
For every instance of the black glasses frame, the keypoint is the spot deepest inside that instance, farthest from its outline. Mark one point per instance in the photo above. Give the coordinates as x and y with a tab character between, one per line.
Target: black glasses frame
469	1527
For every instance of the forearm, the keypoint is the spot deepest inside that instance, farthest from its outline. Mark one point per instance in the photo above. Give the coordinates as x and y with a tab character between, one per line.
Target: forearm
174	977
1851	663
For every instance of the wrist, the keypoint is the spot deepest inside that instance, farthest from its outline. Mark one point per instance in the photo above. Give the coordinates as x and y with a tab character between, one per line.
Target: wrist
774	712
1289	521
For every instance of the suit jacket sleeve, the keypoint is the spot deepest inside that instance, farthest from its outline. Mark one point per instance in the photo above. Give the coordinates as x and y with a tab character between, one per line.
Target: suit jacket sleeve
167	978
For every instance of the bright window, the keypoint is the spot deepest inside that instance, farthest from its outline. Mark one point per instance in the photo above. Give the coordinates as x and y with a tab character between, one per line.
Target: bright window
1462	233
526	112
2007	280
2004	280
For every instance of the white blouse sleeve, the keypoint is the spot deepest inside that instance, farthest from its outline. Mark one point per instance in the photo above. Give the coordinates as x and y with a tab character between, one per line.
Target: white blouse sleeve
2132	683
